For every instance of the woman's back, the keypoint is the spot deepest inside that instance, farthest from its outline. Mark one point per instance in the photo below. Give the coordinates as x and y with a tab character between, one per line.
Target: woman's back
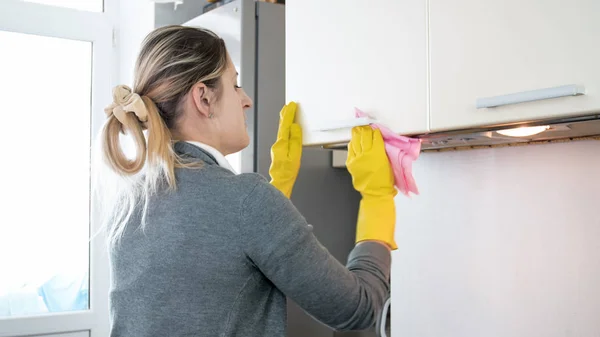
214	255
188	265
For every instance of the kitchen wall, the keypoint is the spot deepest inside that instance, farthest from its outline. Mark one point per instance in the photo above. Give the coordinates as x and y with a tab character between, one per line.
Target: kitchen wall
501	242
136	20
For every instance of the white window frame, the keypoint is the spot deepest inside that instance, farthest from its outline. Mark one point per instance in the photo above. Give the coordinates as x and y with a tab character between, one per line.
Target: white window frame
98	28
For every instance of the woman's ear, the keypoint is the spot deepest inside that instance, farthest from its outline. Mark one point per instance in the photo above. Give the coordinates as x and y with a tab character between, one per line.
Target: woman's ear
203	99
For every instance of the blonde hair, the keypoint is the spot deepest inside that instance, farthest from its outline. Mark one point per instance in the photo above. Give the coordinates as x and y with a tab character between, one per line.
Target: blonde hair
172	59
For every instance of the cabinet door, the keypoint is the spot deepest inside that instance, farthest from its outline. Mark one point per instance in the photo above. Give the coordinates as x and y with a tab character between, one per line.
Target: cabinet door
489	48
344	54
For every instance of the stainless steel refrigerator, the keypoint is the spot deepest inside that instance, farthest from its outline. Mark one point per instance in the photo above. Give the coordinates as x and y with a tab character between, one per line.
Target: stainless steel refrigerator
254	33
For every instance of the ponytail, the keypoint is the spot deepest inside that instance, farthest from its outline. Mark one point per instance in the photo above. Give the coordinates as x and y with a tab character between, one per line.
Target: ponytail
113	153
131	114
160	144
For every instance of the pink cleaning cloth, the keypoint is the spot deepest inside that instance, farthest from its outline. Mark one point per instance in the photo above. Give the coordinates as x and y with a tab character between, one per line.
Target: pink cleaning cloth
401	152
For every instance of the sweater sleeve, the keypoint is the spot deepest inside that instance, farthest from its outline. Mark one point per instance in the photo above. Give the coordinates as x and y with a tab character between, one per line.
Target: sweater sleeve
278	241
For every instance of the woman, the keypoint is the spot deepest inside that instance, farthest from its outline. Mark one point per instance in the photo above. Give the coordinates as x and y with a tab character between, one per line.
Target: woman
197	250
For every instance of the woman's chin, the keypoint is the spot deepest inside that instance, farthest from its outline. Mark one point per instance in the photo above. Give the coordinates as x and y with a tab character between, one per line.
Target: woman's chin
246	141
243	143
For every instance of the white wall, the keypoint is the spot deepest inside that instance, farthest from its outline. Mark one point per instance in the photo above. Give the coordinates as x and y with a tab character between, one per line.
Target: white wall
501	242
136	20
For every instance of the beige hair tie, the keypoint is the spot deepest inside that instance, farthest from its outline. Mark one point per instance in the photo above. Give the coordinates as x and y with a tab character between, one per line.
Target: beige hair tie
124	101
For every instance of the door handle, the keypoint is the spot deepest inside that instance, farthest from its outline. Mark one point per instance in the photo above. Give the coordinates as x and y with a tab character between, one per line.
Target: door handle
530	96
382	320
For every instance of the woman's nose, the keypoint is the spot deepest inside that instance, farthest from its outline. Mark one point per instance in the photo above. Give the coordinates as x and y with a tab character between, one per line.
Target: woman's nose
247	102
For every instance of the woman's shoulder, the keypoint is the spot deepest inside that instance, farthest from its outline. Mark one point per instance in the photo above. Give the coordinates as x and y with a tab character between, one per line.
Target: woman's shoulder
251	190
258	188
220	181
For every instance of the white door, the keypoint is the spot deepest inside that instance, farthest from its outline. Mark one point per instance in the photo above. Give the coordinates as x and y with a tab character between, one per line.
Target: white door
508	52
56	64
371	55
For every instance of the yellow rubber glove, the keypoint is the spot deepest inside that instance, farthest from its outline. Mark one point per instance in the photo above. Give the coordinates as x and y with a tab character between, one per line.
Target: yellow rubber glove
372	176
286	153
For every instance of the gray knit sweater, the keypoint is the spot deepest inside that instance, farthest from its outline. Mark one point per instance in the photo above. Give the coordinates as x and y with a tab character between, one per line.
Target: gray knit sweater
219	256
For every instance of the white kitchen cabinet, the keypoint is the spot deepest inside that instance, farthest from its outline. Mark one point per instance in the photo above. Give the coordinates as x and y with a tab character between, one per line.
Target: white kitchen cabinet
488	48
344	54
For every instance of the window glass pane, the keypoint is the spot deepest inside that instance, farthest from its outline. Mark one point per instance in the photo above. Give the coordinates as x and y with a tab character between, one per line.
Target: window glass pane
84	5
45	89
